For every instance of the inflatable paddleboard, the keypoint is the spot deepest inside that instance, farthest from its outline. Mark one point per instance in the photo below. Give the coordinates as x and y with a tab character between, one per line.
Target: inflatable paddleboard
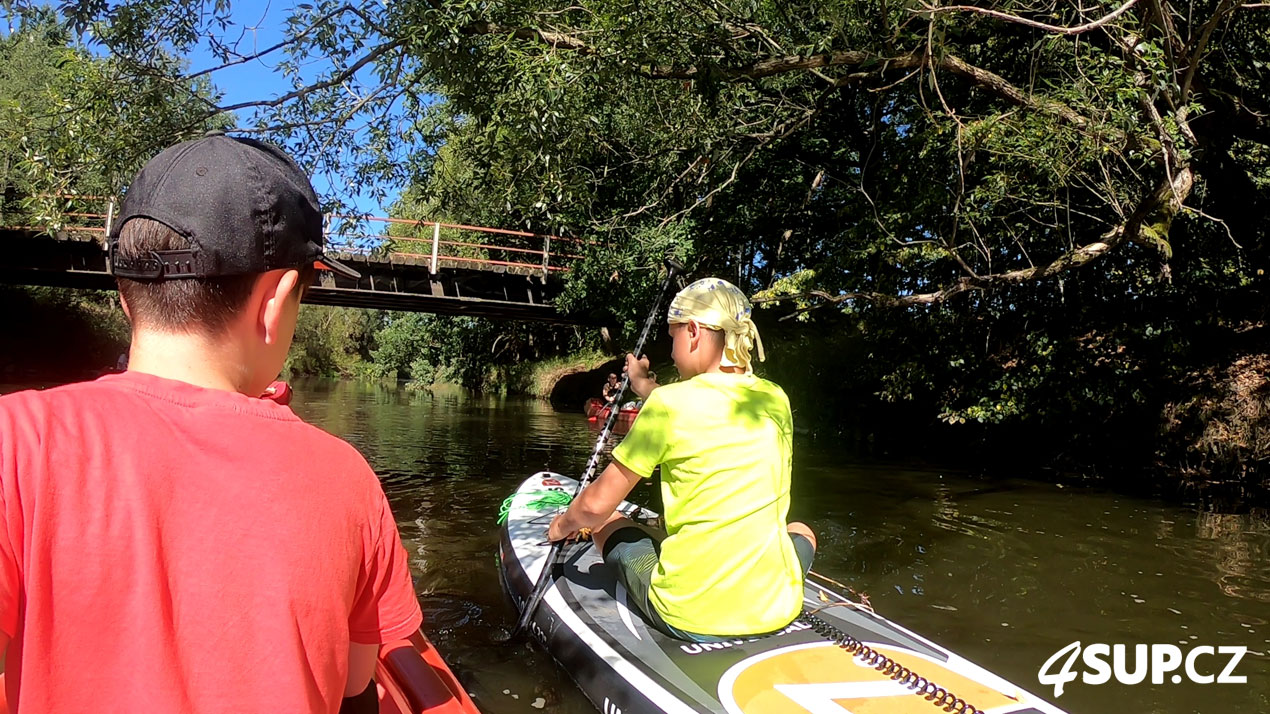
837	658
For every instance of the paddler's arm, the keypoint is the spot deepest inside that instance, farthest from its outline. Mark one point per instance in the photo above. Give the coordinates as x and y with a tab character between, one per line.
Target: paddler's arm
596	503
361	665
641	382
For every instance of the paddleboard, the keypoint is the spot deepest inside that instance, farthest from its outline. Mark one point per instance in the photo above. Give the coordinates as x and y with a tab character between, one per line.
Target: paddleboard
838	658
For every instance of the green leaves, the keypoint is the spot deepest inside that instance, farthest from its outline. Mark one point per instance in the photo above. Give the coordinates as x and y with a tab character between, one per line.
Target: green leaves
947	160
73	123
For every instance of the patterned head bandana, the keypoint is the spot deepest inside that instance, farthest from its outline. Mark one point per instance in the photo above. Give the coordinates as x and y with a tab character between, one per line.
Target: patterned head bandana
720	305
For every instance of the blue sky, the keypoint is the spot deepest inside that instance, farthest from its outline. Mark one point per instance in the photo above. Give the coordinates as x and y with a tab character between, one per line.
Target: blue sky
262	23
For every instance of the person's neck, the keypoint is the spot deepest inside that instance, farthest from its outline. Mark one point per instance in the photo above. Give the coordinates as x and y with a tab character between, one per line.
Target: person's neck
723	370
717	368
188	357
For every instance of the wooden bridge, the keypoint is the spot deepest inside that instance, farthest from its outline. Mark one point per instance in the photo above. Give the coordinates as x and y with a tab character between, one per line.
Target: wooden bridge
420	266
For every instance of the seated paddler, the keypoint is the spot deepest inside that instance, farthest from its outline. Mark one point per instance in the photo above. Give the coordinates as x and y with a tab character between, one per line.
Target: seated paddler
611	391
728	565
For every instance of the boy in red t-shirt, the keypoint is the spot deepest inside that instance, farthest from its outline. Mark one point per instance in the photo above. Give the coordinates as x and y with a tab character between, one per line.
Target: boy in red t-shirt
170	541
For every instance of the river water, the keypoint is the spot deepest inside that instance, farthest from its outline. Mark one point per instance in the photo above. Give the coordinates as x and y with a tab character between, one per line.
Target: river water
1004	572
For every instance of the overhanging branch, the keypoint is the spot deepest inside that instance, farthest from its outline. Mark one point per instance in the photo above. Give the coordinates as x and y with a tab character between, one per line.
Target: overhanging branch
928	9
557	40
772	66
1166	199
274	48
332	81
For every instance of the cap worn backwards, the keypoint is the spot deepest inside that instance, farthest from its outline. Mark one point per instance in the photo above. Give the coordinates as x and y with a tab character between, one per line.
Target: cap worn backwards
718	304
244	206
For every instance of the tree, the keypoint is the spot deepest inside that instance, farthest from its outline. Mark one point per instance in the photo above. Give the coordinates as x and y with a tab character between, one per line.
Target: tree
75	123
1042	145
1045	217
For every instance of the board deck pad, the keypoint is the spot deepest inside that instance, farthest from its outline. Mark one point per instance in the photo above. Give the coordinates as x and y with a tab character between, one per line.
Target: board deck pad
625	667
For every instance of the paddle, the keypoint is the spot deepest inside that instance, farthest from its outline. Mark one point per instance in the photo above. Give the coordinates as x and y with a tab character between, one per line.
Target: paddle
673	268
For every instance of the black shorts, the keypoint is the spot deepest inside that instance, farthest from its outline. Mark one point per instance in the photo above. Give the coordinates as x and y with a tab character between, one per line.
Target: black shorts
633	552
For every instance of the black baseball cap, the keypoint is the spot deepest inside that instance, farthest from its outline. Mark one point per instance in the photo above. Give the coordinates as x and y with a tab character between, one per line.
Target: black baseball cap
244	205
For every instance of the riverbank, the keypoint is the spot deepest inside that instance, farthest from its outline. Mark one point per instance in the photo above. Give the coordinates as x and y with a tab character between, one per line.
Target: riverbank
1205	441
542	378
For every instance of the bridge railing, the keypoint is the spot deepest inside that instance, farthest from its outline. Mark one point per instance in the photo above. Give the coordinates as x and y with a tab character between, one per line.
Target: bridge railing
72	216
432	243
438	244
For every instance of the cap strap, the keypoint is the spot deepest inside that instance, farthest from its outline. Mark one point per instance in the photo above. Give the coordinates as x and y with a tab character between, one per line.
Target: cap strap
158	264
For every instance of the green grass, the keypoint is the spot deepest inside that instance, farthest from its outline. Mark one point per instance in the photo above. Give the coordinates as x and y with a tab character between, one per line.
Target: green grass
538	378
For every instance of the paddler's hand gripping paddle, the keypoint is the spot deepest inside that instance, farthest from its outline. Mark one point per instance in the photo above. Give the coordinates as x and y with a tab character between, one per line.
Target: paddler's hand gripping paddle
673	268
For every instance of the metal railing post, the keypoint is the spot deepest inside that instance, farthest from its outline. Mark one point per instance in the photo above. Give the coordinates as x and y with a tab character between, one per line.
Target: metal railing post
110	217
546	255
436	243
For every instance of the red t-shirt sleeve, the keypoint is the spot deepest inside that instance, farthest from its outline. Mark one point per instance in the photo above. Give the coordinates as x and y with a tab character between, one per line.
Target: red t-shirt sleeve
385	607
10	523
10	579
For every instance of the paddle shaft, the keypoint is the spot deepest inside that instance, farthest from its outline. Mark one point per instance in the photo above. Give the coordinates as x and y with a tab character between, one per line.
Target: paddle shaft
549	564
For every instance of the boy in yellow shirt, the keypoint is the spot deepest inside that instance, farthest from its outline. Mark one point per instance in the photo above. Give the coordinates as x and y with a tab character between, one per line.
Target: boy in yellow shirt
722	437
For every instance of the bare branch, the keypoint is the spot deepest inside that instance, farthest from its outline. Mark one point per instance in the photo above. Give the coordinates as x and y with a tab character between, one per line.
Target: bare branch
1223	9
557	40
983	78
999	86
334	80
762	68
1057	29
290	41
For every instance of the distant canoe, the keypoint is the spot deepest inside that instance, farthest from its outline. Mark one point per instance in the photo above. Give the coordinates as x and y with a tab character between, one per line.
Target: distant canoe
596	407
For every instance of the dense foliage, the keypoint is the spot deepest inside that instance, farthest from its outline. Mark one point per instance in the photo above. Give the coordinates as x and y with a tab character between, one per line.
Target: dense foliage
424	349
73	123
1038	228
57	335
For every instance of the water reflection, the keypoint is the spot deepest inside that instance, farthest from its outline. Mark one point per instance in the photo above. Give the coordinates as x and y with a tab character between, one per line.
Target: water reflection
1004	572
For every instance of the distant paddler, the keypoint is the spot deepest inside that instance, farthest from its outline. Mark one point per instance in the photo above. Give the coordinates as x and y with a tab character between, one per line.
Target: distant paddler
610	391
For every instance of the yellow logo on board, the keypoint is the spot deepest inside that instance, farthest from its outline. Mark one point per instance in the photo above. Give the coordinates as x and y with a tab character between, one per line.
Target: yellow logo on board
822	678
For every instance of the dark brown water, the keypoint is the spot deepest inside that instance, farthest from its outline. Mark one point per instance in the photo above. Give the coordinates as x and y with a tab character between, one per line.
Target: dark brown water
1004	572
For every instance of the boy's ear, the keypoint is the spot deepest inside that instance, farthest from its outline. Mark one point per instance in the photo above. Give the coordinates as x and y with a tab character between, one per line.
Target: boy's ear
276	288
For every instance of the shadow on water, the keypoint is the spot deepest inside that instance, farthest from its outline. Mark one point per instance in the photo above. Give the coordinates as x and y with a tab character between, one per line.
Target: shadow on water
1005	572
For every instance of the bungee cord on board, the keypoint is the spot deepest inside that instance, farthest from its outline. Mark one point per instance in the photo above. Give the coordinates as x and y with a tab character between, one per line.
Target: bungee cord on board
935	694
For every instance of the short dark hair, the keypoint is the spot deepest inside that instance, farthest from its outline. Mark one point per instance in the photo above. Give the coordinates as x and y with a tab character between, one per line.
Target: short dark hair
205	305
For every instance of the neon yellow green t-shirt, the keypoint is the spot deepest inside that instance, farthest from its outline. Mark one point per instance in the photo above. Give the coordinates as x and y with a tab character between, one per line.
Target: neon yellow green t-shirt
727	566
